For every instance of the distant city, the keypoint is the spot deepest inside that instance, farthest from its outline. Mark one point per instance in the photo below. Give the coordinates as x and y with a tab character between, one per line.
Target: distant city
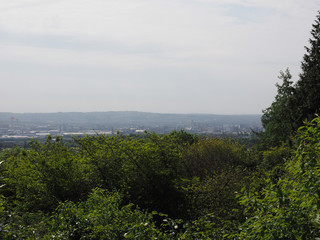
40	125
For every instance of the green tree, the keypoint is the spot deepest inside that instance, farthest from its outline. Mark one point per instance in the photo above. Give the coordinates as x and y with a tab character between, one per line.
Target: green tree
276	119
42	176
294	104
145	169
289	207
215	169
102	216
306	99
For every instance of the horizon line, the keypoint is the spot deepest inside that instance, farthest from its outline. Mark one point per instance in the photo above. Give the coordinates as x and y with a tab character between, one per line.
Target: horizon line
133	111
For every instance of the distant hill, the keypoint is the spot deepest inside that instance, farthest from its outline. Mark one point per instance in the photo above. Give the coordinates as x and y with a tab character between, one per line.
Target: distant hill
126	118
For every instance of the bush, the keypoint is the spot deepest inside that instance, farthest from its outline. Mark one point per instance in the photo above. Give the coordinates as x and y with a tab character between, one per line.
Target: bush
102	216
44	175
290	207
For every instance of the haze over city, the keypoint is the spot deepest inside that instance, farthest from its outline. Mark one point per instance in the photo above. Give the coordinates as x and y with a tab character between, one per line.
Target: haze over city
195	56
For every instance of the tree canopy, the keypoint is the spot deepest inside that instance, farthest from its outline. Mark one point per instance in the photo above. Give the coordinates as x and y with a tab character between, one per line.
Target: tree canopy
277	119
306	99
295	103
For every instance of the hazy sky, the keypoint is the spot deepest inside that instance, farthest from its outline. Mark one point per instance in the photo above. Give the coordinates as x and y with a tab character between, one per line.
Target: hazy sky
168	56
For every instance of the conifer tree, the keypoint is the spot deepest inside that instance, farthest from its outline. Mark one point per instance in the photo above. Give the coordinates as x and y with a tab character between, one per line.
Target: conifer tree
276	119
297	103
305	102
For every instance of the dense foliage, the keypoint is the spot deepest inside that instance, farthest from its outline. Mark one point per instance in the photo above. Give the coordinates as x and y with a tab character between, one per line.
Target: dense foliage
289	208
164	187
47	187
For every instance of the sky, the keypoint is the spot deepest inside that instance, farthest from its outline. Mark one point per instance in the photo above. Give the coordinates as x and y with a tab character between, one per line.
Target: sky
168	56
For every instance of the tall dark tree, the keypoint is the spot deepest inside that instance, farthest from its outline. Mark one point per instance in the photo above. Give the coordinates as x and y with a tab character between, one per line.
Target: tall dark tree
276	119
306	99
294	104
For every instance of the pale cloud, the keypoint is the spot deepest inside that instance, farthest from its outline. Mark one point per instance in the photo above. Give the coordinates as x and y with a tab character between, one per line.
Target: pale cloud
184	54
